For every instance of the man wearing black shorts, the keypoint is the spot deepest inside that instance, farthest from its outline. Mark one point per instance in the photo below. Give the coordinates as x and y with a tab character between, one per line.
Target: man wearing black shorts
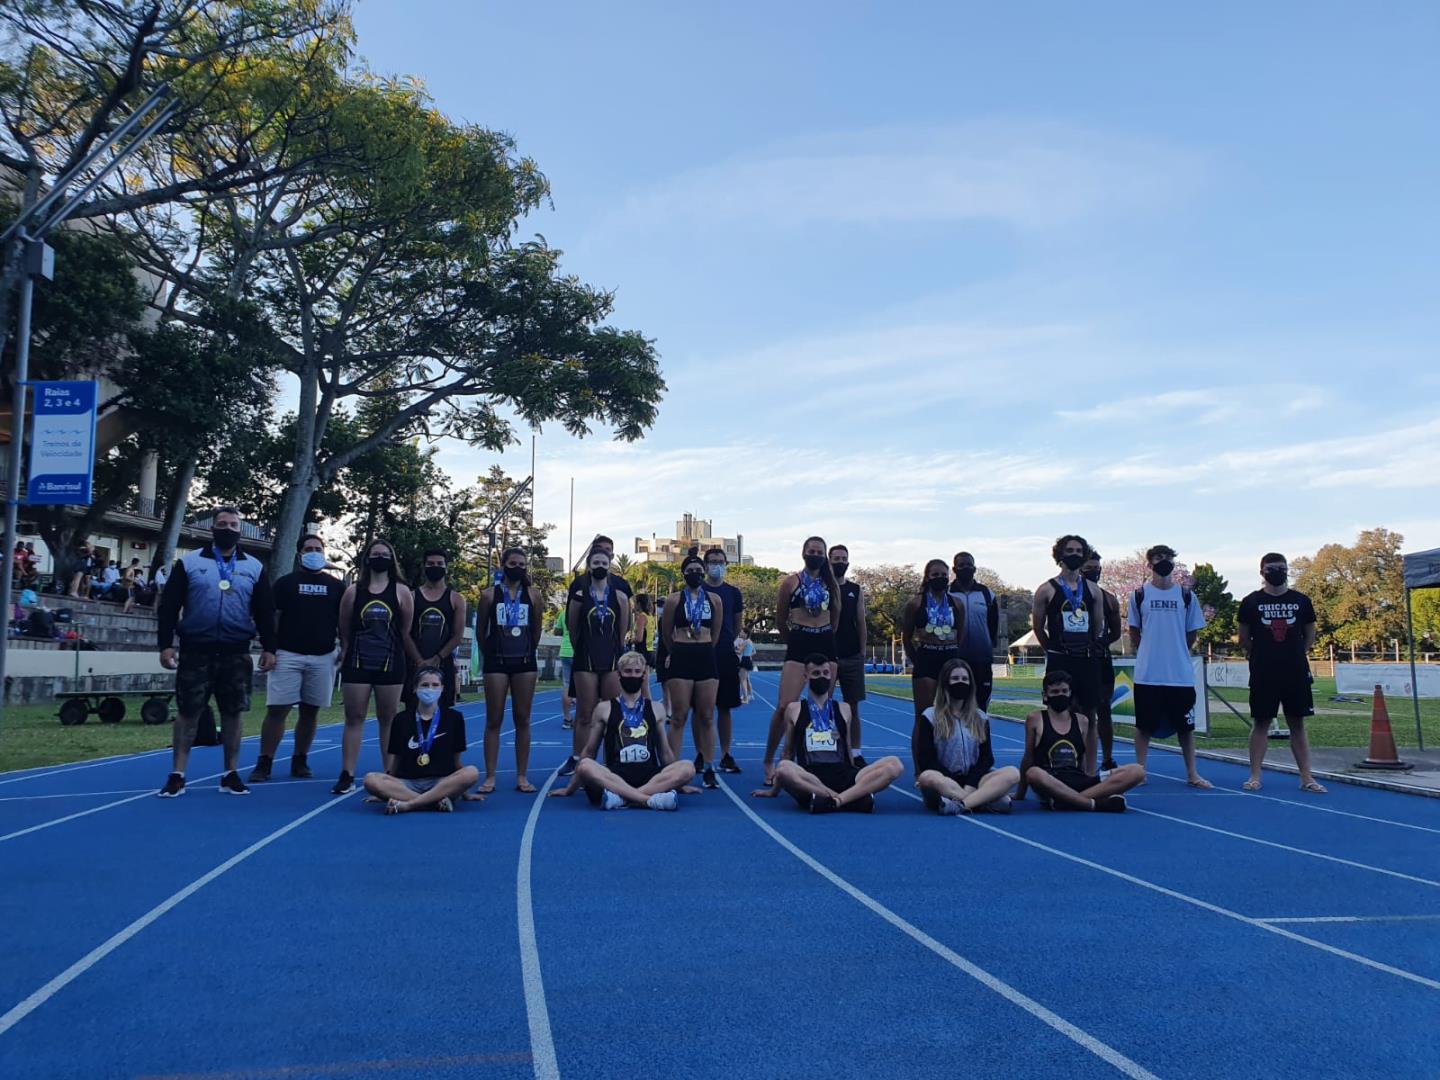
1277	632
850	645
727	664
1066	617
1114	627
1056	738
1165	618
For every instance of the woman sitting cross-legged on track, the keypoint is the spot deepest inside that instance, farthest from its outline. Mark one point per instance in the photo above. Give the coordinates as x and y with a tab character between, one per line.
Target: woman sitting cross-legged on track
426	742
640	768
1055	741
816	769
954	760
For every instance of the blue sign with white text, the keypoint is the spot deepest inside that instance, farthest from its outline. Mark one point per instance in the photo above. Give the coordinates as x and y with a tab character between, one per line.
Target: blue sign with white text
62	447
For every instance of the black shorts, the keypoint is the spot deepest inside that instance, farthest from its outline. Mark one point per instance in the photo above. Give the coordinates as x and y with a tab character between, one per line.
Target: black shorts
803	641
850	678
1107	684
1084	672
1272	694
1077	780
634	775
510	665
661	672
1162	711
601	659
929	659
747	663
353	676
226	675
727	670
837	778
695	663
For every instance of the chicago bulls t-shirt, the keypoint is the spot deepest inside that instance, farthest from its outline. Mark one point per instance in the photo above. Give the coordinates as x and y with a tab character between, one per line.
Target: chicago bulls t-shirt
1277	630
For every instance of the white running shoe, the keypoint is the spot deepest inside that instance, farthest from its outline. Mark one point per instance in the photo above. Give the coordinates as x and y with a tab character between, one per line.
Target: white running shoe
664	800
611	801
950	807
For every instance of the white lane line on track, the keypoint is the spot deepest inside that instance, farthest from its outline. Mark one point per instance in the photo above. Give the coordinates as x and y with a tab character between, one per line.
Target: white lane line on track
537	1013
990	982
1205	905
24	1008
1287	847
1354	919
148	794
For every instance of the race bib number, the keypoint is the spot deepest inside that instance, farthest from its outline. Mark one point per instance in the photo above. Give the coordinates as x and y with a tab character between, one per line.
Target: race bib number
819	741
522	615
1076	622
634	754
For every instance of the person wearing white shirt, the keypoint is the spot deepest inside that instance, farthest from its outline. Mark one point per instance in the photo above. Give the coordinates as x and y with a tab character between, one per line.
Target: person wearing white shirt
1164	619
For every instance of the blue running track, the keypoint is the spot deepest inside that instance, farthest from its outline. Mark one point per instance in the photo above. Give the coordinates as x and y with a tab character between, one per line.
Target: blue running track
296	935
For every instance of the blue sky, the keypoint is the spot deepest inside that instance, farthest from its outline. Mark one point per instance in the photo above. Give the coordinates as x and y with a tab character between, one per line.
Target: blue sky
933	276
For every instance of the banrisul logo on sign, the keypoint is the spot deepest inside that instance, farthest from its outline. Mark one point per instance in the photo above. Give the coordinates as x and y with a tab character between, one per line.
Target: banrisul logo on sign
62	449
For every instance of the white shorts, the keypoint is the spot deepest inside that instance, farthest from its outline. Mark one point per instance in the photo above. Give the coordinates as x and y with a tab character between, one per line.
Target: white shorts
301	680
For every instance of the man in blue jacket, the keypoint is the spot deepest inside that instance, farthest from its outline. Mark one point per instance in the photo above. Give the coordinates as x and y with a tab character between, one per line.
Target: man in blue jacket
217	599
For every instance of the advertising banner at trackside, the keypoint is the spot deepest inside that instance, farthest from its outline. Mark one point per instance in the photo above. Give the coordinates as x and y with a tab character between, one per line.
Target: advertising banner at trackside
1228	673
1122	702
62	450
1422	569
1394	679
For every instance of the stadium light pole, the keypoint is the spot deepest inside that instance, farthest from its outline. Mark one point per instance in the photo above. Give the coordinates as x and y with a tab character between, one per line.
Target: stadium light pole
38	260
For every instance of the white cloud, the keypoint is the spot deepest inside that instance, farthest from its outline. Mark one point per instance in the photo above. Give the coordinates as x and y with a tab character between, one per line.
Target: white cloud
1045	508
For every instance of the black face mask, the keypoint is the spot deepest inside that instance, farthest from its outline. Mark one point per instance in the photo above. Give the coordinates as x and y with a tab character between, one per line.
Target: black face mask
1072	561
965	576
1277	577
599	573
380	563
1164	568
1092	575
839	569
814	562
434	573
221	539
936	584
694	578
515	573
631	684
959	692
1058	702
820	686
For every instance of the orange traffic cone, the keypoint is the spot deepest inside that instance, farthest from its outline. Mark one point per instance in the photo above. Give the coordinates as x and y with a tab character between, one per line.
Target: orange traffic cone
1383	754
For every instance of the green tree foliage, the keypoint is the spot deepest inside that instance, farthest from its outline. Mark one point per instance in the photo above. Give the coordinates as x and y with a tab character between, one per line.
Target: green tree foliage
1213	592
1425	610
1357	589
887	589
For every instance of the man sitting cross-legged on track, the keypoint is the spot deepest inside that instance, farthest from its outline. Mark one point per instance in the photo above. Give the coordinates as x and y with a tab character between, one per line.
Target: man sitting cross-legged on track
817	770
1055	741
426	742
640	768
954	759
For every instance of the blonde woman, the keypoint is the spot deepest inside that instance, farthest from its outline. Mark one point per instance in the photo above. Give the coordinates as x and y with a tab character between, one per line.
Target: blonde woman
953	754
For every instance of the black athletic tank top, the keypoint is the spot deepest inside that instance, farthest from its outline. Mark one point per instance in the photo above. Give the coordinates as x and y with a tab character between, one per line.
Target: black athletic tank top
632	738
506	617
847	637
682	616
1068	625
375	642
825	744
600	629
1055	751
430	629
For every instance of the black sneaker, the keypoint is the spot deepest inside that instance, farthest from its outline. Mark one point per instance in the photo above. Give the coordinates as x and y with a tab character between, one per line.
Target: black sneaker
567	724
699	763
1111	804
299	769
710	781
231	784
858	761
261	772
1108	766
863	805
345	785
174	786
568	769
823	804
727	764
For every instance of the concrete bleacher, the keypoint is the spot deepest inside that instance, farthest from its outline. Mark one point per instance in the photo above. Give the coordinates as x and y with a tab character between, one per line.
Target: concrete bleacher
124	656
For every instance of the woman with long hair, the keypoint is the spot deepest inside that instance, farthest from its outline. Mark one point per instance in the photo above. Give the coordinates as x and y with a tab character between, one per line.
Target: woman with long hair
375	614
509	618
807	613
689	623
932	625
954	759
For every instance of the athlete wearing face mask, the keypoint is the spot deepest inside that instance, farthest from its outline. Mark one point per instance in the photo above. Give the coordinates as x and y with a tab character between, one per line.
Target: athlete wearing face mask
690	624
850	643
598	613
954	759
307	602
934	630
375	616
1068	619
1055	755
817	770
438	626
727	663
982	625
508	624
426	769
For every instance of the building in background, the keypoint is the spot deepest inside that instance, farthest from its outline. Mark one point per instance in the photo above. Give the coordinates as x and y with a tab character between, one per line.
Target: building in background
691	533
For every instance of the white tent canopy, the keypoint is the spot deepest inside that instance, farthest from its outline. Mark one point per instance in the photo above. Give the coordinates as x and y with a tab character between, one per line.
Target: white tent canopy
1029	641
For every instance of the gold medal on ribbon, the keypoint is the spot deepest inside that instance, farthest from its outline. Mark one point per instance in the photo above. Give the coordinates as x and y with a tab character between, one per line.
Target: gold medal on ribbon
423	760
224	585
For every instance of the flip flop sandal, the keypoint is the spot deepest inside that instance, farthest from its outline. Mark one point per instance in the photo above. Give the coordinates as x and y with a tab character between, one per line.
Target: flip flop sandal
1251	785
1202	784
526	788
1314	788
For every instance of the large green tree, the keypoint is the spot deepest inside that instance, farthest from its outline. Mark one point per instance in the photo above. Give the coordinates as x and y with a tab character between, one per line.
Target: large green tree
1213	592
1357	589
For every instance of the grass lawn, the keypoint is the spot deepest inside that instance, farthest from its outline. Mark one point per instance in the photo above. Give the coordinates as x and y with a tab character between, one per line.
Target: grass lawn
1335	723
32	735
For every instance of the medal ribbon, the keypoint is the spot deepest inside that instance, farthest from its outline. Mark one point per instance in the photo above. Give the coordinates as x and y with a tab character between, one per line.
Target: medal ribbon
695	611
813	591
1076	600
602	606
224	568
512	607
633	717
431	730
938	613
820	720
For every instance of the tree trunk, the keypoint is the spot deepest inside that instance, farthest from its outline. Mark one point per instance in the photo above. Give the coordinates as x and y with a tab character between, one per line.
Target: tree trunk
176	505
293	508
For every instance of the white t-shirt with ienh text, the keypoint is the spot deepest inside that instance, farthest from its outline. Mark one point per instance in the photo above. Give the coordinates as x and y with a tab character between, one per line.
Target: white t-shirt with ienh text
1163	658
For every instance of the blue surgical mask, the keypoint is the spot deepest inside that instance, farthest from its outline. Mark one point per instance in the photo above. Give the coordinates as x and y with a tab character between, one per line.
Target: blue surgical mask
313	560
428	695
716	571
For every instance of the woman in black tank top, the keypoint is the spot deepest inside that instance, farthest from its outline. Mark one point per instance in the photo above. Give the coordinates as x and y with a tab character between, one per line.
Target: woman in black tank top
807	614
1054	763
509	623
374	615
598	613
688	624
